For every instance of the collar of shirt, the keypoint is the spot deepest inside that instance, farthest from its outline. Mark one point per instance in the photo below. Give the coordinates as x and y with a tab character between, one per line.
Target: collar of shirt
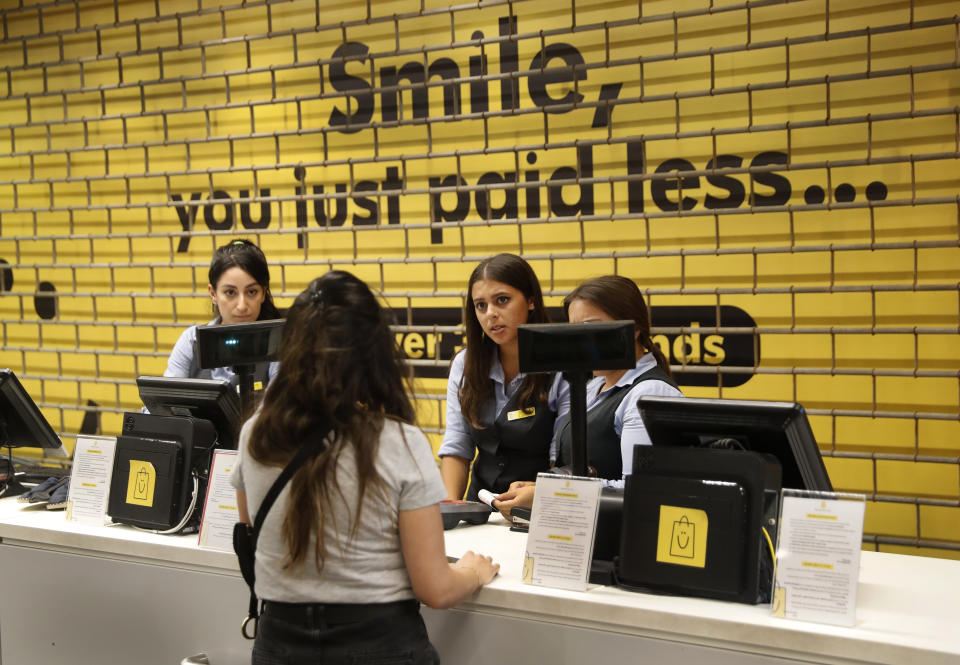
645	363
497	375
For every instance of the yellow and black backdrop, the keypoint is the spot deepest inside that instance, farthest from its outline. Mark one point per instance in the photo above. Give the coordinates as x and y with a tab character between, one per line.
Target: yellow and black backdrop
780	178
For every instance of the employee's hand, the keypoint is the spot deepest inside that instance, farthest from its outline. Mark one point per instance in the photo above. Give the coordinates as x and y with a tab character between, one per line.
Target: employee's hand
519	494
484	566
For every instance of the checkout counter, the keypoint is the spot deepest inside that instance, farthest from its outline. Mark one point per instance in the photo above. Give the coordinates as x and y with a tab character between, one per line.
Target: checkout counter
87	595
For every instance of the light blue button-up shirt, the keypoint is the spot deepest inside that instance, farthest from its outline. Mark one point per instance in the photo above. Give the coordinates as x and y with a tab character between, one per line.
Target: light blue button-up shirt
456	437
627	422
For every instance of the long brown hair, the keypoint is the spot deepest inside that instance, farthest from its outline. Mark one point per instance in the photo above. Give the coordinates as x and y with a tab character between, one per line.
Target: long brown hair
475	387
340	369
620	298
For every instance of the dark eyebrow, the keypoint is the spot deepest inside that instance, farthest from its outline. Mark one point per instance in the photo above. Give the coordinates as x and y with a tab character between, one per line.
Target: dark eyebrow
494	296
234	286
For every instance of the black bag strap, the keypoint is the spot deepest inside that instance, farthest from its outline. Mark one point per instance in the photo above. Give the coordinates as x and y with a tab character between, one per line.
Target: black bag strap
312	447
308	450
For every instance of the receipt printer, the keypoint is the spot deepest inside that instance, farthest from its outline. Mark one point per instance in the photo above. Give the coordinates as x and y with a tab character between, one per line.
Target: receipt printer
159	471
693	521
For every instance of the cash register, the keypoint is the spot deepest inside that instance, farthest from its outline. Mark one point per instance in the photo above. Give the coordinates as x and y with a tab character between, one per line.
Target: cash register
698	514
163	457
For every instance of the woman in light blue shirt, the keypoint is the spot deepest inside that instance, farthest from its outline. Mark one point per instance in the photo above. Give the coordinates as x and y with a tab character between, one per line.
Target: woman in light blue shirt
504	418
239	289
614	425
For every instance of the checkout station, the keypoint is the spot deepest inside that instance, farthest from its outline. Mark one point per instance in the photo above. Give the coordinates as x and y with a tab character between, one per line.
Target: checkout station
678	566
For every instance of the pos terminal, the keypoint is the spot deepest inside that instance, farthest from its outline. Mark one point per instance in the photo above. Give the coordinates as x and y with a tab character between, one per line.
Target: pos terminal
162	459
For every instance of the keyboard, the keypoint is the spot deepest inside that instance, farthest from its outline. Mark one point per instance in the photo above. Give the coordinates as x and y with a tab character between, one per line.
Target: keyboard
37	473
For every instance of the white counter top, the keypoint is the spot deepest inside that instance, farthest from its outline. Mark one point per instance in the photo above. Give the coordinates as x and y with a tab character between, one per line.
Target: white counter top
34	525
906	610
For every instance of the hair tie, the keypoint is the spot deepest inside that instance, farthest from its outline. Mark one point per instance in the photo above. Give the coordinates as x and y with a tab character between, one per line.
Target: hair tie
316	296
238	241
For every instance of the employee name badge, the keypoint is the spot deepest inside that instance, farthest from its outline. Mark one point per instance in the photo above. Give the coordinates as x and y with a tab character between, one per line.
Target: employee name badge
90	477
520	414
818	556
562	526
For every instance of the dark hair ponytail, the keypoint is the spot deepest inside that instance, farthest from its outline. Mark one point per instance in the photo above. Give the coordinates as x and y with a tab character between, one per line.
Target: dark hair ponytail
340	369
620	298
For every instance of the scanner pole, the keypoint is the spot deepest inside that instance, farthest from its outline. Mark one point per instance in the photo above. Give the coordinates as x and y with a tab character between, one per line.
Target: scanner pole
245	376
577	380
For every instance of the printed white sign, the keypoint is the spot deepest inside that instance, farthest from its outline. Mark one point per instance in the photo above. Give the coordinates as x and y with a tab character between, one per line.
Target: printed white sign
90	479
818	560
562	526
220	508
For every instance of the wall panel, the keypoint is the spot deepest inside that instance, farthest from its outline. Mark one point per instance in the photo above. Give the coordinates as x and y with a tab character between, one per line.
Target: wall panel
780	178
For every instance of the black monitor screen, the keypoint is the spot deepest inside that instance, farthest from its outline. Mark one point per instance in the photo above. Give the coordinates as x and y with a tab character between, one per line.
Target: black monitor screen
209	399
778	428
555	347
21	422
238	343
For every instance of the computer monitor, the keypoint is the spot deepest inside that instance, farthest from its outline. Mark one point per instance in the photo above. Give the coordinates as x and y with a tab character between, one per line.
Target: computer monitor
208	399
778	428
21	422
238	344
576	349
565	347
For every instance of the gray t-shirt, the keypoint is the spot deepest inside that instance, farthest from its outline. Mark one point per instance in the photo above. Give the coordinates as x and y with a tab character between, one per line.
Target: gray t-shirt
368	569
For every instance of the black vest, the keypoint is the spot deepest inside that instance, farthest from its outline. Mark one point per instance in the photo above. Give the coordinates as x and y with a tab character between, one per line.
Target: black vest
509	450
603	443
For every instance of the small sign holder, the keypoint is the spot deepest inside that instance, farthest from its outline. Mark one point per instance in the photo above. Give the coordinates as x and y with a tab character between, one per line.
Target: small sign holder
819	541
562	527
90	479
220	510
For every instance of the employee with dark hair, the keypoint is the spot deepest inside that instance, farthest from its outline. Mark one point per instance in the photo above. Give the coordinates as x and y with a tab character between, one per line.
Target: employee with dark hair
355	537
614	425
240	291
503	417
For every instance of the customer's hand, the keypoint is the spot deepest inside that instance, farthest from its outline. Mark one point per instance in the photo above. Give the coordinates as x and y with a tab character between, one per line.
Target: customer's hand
484	566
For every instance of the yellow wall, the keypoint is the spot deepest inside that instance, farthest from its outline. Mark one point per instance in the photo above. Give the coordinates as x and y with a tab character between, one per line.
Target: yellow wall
819	218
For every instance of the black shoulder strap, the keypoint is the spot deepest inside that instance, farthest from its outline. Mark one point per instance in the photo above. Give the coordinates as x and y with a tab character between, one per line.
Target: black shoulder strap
313	446
308	450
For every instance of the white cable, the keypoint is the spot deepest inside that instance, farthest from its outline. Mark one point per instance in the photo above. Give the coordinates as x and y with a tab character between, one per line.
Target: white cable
186	516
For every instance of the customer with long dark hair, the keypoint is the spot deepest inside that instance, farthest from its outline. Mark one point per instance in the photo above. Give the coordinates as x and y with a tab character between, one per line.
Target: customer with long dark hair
614	425
239	290
356	537
503	417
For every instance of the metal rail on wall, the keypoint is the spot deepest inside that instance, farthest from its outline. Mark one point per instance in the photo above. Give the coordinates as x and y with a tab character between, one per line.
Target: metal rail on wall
125	218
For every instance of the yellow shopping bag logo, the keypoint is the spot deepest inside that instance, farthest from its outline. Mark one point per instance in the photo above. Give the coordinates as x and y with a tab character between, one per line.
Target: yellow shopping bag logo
682	536
141	483
681	542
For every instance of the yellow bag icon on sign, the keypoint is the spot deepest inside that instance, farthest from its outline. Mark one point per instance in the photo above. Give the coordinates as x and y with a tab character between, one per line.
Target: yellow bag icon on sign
682	540
682	536
141	483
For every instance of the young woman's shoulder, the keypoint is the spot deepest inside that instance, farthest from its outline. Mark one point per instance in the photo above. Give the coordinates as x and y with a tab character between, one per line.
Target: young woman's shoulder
655	387
398	430
458	362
